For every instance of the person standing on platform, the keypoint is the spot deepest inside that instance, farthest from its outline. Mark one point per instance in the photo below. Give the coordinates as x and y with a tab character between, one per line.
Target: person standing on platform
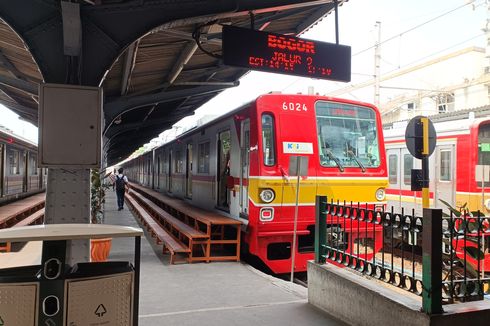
120	185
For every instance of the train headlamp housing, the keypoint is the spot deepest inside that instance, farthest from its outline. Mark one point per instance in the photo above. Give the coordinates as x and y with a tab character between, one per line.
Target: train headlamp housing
380	194
267	195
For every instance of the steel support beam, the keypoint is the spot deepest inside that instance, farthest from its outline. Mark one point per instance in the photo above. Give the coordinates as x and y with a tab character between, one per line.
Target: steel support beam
184	57
313	18
21	85
128	67
11	67
19	108
119	106
106	29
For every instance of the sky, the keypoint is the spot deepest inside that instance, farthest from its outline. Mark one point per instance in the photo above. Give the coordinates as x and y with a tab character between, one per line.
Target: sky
411	32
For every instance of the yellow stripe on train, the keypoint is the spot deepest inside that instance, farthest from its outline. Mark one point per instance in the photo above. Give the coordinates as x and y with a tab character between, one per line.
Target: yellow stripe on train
356	190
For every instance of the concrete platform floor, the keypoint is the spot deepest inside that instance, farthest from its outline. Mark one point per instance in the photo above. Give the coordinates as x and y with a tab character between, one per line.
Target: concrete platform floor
218	293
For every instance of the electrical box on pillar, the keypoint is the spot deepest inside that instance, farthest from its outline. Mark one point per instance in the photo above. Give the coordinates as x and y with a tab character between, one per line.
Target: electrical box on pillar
70	126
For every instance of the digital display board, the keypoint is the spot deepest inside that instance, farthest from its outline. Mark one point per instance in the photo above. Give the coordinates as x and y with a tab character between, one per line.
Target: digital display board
285	54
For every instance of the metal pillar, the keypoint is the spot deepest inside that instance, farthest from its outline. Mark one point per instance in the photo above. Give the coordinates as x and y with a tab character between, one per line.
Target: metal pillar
432	261
320	229
68	201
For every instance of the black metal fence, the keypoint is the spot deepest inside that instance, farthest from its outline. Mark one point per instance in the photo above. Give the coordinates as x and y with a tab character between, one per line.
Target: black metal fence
388	245
465	256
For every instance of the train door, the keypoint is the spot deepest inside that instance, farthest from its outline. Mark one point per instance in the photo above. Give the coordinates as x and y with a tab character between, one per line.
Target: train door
244	167
169	184
223	169
445	166
188	172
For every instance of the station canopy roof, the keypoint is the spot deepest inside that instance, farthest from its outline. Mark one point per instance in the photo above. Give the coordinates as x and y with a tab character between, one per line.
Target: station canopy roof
143	53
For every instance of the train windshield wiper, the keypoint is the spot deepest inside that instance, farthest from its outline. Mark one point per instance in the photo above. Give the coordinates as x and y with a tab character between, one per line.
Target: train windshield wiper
335	159
353	156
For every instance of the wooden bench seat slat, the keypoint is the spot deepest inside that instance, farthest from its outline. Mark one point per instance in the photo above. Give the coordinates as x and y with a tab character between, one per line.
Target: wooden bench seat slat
31	218
20	207
200	219
184	228
169	242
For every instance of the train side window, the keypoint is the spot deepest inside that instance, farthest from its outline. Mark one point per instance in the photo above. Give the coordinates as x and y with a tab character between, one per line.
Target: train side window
203	158
14	164
445	164
484	144
268	140
32	164
393	169
407	169
178	162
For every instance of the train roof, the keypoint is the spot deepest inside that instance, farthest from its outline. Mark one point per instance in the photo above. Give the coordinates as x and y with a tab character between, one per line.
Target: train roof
245	105
460	126
10	137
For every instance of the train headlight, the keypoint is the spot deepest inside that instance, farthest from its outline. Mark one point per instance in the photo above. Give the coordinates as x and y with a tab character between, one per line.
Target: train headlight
380	194
267	195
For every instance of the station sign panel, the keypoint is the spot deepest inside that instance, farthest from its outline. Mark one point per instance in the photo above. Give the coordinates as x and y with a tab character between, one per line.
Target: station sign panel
284	54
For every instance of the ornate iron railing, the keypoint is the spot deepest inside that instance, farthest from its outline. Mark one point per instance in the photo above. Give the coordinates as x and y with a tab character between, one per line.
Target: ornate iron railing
466	256
388	246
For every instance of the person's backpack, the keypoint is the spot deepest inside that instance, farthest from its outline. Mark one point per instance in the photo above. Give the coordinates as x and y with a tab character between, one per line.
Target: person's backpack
120	183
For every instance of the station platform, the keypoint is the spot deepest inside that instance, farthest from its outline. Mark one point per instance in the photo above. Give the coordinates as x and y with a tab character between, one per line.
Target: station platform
217	293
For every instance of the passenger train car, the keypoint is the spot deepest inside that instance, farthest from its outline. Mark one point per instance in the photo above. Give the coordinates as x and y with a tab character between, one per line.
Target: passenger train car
459	167
20	175
240	164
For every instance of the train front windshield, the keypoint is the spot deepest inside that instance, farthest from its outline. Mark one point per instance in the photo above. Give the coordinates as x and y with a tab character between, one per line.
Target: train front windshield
347	135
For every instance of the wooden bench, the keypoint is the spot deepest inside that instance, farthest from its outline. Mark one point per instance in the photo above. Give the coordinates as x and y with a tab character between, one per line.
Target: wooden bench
36	218
164	231
13	213
212	224
21	213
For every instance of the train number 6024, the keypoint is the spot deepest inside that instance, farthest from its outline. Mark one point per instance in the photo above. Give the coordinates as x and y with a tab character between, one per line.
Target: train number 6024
291	106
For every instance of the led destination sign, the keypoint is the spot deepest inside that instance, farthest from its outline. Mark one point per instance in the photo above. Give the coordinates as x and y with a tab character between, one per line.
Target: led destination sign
285	54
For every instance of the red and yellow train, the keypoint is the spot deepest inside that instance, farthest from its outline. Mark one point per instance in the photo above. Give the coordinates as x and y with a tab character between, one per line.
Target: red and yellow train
459	168
239	164
459	172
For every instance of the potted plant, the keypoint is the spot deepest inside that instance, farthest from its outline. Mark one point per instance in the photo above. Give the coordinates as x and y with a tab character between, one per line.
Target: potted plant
99	248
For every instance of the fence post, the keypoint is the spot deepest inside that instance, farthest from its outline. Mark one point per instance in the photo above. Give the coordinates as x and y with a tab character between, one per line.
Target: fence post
432	261
320	228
